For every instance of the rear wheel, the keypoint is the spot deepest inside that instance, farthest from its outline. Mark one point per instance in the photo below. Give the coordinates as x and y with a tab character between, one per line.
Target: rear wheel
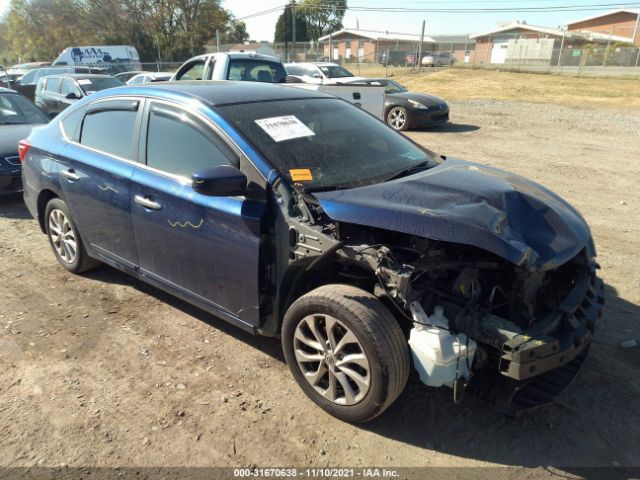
398	118
346	351
65	240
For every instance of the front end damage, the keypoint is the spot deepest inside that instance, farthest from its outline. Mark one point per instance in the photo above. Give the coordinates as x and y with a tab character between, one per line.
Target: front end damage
530	330
492	276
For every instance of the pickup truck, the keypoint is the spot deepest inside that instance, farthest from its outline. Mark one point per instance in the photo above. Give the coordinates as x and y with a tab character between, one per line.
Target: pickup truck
265	68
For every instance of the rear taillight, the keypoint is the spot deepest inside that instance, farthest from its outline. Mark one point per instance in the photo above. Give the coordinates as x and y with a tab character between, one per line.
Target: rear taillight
23	149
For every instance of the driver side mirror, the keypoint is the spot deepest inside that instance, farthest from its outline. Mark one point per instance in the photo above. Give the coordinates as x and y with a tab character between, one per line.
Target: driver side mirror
317	76
220	181
72	96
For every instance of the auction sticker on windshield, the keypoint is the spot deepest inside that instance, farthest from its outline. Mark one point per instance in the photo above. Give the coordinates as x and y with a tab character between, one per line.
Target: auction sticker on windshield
284	128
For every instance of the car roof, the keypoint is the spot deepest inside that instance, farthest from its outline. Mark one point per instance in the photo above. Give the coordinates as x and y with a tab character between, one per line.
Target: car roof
218	92
238	55
79	76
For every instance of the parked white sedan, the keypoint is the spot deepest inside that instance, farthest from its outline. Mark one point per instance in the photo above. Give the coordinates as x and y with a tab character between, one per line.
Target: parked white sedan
148	77
320	73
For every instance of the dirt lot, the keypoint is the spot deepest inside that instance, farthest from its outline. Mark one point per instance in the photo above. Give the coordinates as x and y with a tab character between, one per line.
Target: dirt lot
100	370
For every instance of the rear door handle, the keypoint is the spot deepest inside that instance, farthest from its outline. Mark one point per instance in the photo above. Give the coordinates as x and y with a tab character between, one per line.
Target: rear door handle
70	174
146	202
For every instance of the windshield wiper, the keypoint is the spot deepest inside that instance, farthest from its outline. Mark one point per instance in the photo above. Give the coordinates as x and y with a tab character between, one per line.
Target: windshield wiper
408	170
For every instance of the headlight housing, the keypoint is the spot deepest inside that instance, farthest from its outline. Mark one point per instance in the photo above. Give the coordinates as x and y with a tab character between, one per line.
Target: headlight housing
417	105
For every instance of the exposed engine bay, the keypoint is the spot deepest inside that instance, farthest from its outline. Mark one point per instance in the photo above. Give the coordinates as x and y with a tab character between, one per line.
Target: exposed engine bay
471	317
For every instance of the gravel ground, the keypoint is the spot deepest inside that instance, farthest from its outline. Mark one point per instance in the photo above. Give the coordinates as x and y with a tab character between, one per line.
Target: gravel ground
102	370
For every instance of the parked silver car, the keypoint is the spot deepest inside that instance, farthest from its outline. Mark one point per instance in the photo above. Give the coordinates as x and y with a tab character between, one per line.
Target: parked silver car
438	59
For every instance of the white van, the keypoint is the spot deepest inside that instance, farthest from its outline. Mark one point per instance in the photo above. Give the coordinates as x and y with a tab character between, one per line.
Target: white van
114	58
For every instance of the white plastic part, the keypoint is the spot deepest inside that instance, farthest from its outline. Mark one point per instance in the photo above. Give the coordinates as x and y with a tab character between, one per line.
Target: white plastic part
440	357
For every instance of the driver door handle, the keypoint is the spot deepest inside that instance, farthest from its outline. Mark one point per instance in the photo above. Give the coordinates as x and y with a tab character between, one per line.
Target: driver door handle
146	202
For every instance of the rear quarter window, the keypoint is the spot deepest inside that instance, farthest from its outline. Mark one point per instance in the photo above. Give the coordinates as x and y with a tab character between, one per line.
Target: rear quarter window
71	124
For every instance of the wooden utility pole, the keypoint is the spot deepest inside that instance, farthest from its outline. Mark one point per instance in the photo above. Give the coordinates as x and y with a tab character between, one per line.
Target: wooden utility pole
419	59
293	30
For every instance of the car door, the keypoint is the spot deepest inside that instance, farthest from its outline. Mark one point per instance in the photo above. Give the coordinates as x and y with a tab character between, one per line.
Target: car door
205	247
95	175
50	95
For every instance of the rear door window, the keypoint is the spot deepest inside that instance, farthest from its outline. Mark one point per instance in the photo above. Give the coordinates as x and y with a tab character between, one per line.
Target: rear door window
181	145
110	127
52	85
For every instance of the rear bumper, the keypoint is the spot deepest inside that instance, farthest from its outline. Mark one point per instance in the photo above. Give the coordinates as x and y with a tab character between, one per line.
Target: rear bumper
10	181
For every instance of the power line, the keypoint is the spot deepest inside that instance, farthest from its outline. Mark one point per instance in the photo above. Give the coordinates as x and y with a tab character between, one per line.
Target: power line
555	8
391	9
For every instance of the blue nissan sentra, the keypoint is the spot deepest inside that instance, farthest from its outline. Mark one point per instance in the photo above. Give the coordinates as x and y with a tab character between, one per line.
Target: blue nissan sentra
295	214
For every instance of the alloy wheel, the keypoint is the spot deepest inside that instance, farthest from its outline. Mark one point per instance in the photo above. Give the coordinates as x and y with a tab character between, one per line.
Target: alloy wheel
332	359
397	118
62	236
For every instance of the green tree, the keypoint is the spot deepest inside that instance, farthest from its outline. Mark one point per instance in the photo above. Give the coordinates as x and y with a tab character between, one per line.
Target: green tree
323	16
40	29
236	32
284	25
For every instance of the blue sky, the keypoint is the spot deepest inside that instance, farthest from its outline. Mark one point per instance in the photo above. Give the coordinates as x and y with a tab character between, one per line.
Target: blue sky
262	27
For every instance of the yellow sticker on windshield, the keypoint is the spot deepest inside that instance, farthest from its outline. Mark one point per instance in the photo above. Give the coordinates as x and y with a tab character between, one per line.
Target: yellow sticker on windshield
300	174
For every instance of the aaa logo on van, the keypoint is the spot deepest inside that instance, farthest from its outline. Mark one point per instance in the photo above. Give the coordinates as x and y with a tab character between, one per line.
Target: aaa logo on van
96	54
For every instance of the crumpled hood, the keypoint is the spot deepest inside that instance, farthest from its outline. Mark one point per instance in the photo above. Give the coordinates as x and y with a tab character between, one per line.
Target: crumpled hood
10	135
472	204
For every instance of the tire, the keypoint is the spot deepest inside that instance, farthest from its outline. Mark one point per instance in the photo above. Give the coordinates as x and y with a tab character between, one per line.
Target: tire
398	118
63	234
374	340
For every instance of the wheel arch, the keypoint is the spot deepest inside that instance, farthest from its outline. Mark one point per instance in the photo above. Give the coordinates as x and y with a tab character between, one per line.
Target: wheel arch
44	197
299	281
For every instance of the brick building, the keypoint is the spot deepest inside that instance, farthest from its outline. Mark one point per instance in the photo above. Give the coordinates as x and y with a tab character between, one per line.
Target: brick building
619	23
353	45
520	43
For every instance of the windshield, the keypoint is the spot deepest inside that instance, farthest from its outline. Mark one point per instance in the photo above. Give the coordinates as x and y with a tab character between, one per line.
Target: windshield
95	84
17	110
393	87
335	71
325	143
256	71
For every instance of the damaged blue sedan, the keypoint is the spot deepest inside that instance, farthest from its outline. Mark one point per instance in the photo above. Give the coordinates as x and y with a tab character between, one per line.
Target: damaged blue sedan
293	214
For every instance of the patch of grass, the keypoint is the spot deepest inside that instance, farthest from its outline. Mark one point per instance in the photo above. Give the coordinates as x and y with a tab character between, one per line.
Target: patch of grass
463	84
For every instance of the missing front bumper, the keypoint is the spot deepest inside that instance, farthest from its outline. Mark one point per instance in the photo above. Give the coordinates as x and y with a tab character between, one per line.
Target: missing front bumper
561	336
535	371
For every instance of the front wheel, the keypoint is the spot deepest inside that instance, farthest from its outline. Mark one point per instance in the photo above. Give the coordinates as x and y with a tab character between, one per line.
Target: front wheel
398	118
346	351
